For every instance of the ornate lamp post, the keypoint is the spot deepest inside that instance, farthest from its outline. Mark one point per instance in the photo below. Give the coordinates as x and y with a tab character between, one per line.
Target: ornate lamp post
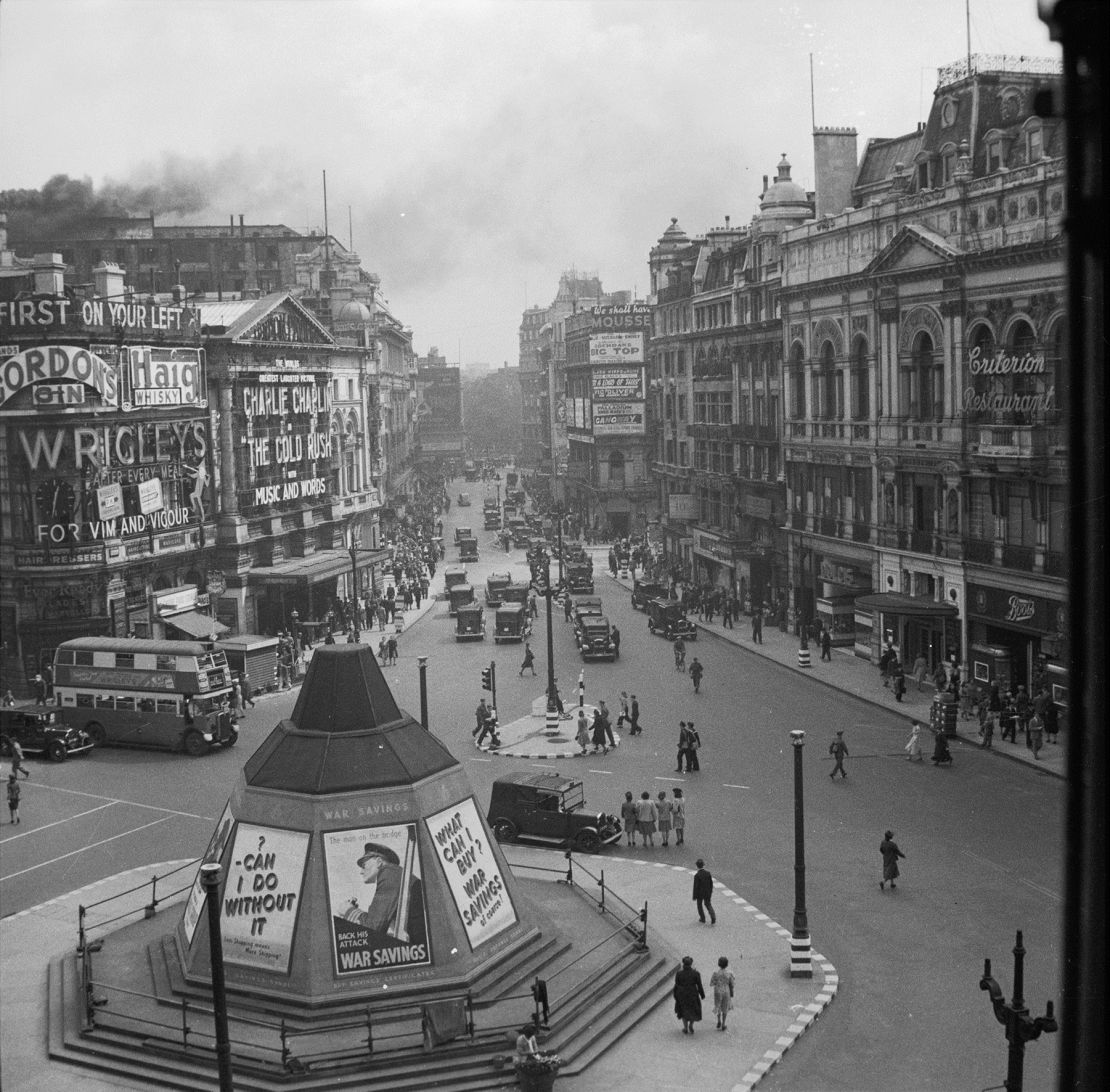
801	965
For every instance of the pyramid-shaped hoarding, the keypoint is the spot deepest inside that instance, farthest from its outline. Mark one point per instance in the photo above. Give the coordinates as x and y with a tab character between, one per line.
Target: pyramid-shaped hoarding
355	856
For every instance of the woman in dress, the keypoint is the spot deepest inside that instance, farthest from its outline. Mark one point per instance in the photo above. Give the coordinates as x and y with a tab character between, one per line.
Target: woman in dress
678	817
583	735
688	995
665	808
723	984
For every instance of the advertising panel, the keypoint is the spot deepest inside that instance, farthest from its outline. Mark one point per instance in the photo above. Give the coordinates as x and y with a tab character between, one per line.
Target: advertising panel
376	899
462	847
262	896
615	384
631	316
156	376
617	348
212	855
682	506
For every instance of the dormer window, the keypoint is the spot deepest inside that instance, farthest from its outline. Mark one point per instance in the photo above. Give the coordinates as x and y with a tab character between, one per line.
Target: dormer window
948	163
1034	140
996	151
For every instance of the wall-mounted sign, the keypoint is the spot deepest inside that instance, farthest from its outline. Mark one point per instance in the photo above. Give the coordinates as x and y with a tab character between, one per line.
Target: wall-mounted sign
630	316
59	362
51	311
150	496
376	899
156	376
462	846
262	896
682	506
109	501
615	384
620	348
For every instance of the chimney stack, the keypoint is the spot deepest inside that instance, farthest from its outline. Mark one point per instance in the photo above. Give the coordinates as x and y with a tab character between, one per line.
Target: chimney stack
107	280
242	229
231	229
49	275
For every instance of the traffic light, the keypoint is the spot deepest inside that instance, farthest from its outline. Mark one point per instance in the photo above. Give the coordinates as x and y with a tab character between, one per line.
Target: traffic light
487	678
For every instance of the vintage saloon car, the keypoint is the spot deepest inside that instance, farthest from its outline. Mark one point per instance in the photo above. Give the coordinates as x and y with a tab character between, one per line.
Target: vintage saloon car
595	641
459	595
462	532
491	519
464	500
511	623
469	625
584	605
667	618
580	578
495	583
40	731
549	809
468	549
643	591
452	575
515	593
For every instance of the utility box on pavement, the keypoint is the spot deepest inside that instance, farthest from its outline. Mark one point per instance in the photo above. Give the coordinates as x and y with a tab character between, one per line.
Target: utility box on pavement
943	714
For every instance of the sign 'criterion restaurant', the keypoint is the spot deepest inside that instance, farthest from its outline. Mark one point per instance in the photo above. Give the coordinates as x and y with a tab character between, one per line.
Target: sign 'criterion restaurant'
107	444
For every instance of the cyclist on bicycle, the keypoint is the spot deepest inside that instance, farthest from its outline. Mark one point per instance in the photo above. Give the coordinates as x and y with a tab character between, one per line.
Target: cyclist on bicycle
679	654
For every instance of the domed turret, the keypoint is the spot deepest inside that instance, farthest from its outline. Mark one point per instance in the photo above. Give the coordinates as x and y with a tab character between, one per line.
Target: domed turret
674	235
784	199
353	312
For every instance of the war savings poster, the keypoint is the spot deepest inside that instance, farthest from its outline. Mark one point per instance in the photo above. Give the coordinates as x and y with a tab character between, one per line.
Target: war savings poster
212	855
472	873
376	899
262	896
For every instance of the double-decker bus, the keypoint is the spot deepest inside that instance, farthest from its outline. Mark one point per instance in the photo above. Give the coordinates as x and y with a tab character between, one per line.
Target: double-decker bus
172	695
471	472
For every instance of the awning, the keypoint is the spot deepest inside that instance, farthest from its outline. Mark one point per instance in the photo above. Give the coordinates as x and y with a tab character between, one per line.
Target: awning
196	624
299	572
908	606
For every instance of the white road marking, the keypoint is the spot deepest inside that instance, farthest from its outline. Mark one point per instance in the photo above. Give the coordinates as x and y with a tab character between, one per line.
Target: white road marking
481	760
1043	890
727	786
541	766
682	780
84	849
60	822
607	772
129	803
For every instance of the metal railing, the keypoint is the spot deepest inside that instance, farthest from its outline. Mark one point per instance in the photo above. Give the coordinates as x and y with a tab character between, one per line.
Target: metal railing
270	1043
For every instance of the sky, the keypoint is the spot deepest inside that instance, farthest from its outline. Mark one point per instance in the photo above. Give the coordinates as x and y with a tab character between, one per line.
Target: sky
474	149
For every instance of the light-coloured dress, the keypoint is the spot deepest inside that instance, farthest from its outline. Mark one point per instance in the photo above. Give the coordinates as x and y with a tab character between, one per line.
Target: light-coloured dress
722	982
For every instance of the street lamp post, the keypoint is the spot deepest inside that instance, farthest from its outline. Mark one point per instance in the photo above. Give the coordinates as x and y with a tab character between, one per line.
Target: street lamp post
210	881
422	663
801	965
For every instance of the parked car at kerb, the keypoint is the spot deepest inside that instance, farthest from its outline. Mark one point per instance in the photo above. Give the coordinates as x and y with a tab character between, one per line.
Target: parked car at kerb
667	619
549	809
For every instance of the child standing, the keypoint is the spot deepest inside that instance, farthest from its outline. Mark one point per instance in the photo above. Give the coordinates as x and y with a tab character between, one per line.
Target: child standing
723	983
13	797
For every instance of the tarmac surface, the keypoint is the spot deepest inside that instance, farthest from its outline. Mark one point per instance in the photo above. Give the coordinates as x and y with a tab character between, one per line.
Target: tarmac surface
771	1009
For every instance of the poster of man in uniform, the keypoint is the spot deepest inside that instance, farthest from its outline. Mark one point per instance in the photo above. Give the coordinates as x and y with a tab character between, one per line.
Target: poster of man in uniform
212	855
472	872
376	899
262	896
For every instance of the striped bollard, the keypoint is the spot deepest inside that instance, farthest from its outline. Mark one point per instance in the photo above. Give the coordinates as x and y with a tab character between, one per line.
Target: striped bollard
624	566
803	655
551	723
801	953
581	688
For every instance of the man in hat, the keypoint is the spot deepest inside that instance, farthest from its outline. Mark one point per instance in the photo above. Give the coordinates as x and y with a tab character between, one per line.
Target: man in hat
381	867
40	690
839	750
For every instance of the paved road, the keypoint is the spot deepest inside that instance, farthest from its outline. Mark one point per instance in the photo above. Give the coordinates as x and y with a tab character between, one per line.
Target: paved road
982	839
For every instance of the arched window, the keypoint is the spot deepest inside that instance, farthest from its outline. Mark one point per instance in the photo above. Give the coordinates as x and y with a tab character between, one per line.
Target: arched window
617	468
829	385
980	349
921	388
797	383
861	398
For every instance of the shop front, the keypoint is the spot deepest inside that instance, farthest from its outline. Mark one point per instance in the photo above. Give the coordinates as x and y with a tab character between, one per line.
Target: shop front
1015	636
910	624
714	560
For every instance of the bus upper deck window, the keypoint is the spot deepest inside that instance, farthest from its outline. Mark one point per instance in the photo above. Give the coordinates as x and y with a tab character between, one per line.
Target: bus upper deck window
125	703
105	701
146	705
82	658
167	706
85	701
64	656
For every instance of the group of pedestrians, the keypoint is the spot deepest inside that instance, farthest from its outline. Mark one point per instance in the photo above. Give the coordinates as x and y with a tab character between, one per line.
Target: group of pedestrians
647	817
689	743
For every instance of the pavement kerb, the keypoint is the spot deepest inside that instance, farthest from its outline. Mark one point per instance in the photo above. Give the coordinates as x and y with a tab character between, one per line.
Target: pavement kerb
1054	768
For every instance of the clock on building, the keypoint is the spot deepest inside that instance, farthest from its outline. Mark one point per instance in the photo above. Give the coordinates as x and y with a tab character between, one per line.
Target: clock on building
948	112
55	500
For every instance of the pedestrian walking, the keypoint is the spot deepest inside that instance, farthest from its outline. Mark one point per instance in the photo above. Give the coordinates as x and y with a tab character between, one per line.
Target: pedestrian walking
899	681
703	893
598	734
665	810
826	644
757	626
481	715
533	609
9	699
236	701
607	725
247	689
692	747
994	713
886	662
890	853
696	672
568	609
1051	718
529	662
391	649
622	716
678	816
683	748
839	750
646	819
383	616
688	995
629	811
920	669
1036	735
14	793
913	747
582	737
723	984
615	637
679	654
986	728
726	613
17	760
941	754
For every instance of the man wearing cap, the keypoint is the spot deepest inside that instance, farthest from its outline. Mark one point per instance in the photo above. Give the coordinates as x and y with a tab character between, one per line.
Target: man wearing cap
481	716
381	867
839	750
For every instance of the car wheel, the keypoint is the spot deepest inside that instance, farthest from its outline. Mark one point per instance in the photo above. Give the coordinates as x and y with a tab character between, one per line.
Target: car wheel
232	739
195	744
587	842
504	831
97	733
57	751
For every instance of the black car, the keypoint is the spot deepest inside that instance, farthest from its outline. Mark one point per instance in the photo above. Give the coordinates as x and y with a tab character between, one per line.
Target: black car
643	591
580	578
595	639
667	618
40	731
548	808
